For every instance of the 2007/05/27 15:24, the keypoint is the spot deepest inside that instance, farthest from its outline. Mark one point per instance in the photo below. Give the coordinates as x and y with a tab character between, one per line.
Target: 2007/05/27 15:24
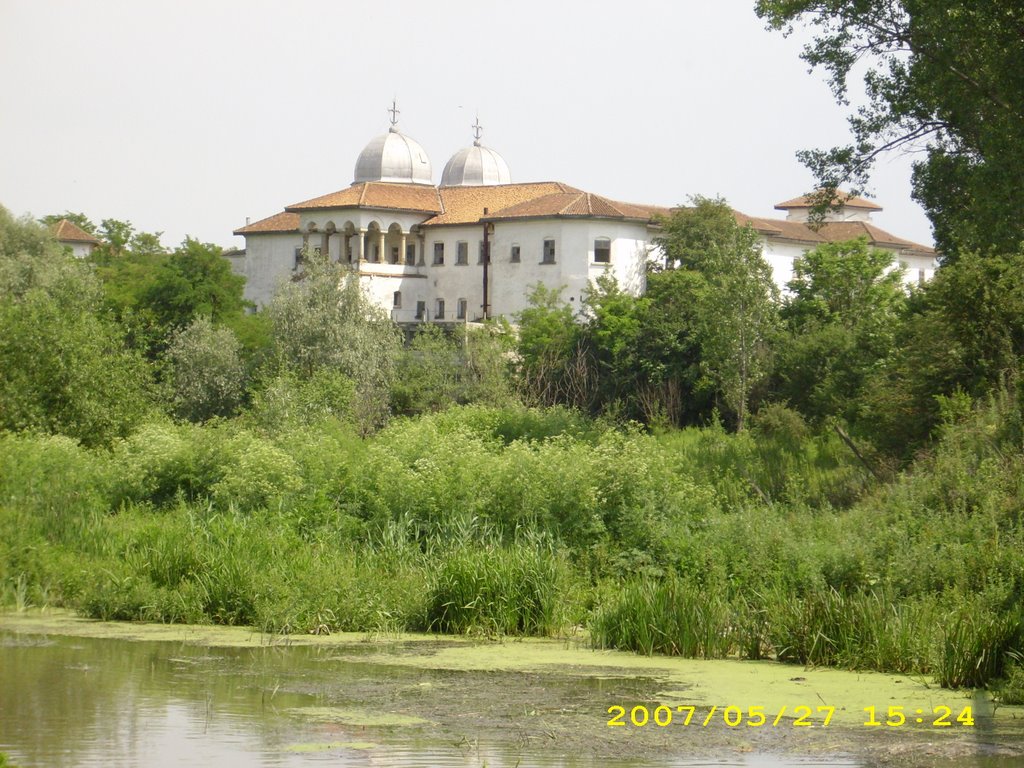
755	716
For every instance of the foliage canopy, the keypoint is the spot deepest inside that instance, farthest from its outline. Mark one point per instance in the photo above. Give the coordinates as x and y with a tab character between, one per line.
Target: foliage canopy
943	75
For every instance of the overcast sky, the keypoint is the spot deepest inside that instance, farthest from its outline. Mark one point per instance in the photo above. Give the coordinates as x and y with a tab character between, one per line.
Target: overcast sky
186	117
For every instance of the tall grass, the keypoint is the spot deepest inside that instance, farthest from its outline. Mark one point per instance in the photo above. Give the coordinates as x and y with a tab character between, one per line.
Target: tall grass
498	590
668	616
977	645
771	544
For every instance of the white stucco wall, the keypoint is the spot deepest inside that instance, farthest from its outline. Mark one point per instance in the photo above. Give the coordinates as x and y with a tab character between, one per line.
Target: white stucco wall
919	268
509	282
269	260
80	250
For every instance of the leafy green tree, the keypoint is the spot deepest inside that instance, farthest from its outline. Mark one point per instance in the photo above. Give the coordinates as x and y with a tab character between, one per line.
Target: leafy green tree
488	352
427	372
964	332
31	258
553	367
673	385
843	312
942	75
326	320
63	364
612	331
440	368
65	369
195	280
153	293
734	296
206	376
116	236
286	401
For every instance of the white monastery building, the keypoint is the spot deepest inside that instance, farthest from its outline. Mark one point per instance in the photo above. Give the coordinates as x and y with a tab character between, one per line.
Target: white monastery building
422	250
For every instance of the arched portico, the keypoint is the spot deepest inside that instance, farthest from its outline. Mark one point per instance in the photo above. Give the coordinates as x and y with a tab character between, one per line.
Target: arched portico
394	244
351	244
374	240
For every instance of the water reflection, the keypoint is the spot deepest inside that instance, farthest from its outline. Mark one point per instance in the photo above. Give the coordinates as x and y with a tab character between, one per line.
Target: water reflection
84	702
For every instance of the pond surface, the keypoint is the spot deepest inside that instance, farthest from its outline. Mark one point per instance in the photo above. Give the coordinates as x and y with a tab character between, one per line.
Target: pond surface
79	693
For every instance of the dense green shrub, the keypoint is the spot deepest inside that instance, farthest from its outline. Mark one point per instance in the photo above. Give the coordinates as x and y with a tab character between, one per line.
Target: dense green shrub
205	374
227	465
53	482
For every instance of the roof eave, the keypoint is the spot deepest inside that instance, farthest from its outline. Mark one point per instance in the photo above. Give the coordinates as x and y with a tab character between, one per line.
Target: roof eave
567	217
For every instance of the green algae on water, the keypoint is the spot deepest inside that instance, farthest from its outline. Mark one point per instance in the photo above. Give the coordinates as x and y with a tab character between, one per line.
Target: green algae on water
359	717
326	746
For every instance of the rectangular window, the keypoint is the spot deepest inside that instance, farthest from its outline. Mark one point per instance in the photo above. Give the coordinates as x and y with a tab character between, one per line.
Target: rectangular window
394	254
439	309
421	310
439	253
549	252
298	257
410	253
460	310
398	300
317	251
515	254
603	250
462	253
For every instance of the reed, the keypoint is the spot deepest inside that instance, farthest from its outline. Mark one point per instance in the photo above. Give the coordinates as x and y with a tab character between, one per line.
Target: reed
666	616
497	590
976	646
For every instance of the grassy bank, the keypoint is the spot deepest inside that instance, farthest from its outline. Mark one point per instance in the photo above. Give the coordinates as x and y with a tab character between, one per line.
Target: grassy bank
771	544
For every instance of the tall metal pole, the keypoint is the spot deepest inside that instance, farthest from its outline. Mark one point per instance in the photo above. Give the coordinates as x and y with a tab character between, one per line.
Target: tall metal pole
487	262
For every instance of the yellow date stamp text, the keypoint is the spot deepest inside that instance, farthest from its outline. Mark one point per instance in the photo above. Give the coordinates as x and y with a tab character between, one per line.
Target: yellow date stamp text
802	716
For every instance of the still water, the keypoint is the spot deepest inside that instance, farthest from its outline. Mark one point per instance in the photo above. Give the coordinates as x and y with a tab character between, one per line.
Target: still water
88	701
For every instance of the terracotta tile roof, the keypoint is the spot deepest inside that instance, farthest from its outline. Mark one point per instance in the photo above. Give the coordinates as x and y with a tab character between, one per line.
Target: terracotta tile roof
574	203
377	194
279	222
838	231
789	230
848	200
66	232
465	205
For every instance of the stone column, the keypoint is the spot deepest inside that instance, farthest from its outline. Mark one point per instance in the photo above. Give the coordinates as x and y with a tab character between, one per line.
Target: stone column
401	250
345	242
381	258
360	239
325	245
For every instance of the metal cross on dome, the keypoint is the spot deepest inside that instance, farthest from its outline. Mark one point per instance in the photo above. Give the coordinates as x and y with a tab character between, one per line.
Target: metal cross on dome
395	111
478	130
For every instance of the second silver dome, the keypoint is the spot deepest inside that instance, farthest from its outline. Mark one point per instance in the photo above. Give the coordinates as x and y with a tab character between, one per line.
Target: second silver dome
475	166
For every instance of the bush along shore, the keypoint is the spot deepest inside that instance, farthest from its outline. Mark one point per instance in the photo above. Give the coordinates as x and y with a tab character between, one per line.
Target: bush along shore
516	521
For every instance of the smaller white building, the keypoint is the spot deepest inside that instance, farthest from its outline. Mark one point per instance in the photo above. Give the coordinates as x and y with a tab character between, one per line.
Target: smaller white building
475	245
74	238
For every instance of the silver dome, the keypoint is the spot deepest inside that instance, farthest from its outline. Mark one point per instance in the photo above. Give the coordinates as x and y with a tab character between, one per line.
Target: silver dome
475	166
394	157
